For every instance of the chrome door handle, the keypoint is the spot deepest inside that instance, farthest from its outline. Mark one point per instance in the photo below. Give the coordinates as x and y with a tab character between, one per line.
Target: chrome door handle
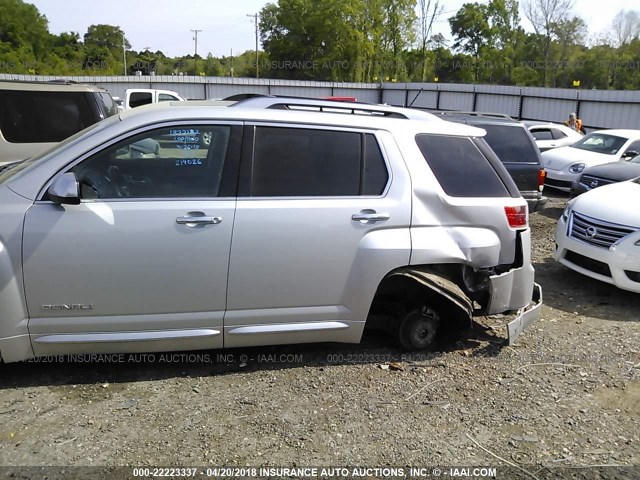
367	217
199	220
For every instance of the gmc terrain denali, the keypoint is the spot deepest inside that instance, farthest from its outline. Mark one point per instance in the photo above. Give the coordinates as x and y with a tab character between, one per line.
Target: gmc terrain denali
286	227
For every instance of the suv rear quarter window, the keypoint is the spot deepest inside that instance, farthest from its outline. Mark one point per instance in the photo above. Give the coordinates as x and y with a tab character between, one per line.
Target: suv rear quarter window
460	167
37	117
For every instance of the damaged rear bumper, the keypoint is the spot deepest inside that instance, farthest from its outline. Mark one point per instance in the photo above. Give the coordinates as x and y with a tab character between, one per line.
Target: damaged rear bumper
526	316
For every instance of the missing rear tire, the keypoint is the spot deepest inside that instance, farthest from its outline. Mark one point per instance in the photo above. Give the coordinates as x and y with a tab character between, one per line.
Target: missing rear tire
418	329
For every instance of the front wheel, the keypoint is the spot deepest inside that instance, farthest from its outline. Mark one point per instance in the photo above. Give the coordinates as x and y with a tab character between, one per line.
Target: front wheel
418	329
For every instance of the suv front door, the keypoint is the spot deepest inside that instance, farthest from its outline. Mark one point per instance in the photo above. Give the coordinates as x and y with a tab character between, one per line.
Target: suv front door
317	210
141	263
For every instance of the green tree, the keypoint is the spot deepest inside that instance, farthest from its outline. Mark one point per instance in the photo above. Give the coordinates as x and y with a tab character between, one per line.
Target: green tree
103	49
106	36
507	33
429	11
337	40
67	54
569	37
24	36
543	15
471	31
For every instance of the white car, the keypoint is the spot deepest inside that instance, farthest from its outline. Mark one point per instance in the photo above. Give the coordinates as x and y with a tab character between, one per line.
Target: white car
564	165
552	135
598	235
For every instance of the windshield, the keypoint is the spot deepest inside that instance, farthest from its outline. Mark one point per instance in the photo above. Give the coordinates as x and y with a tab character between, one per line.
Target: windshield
8	171
600	143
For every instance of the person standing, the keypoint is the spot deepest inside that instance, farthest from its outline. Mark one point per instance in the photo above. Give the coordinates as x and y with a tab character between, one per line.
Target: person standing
575	123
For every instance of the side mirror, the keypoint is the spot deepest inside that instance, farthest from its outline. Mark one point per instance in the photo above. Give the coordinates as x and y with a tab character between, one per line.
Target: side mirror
64	190
630	154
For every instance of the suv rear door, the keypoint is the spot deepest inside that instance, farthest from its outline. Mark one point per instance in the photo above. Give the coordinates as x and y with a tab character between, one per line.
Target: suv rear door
315	208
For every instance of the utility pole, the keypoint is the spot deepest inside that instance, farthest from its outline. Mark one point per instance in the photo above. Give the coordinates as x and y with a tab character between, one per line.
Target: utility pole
195	56
255	19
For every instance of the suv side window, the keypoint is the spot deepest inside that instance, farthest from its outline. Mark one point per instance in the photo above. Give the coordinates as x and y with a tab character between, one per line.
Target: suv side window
172	162
460	167
36	117
301	162
375	176
558	134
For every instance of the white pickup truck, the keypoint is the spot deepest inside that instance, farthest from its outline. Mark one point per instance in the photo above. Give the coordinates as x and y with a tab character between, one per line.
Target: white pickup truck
136	97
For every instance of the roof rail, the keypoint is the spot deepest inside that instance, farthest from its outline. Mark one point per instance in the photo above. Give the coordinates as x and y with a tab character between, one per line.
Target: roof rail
331	106
445	113
61	81
244	96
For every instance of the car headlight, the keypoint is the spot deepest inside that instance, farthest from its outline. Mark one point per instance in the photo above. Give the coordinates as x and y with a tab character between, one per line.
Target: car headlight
577	168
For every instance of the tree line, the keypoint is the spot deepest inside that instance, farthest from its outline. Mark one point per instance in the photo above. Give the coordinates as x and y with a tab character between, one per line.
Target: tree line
361	41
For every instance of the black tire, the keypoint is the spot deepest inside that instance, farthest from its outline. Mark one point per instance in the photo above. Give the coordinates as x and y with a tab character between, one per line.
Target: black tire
418	329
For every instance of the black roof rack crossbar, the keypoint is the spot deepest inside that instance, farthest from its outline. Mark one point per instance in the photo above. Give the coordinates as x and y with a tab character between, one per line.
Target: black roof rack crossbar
445	113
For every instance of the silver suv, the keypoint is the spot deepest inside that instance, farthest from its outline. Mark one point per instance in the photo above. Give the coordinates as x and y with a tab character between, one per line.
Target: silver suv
286	227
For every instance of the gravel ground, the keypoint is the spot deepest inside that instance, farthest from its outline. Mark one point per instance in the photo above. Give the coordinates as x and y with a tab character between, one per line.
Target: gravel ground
567	394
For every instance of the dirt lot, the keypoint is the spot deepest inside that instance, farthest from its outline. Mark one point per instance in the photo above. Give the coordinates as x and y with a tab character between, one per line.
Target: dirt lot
567	394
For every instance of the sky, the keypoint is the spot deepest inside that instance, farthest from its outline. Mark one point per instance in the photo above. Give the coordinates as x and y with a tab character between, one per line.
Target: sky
225	25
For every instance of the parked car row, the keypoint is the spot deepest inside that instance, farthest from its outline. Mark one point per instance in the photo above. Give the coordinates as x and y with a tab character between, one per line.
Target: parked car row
598	234
565	165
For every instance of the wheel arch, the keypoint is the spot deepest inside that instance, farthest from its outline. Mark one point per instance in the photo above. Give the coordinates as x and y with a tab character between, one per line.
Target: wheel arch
406	288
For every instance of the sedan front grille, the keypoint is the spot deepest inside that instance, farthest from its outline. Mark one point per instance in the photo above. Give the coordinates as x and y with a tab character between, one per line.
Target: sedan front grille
597	232
589	181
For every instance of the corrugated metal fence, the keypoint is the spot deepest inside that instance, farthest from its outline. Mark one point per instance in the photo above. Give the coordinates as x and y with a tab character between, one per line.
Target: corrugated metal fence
597	108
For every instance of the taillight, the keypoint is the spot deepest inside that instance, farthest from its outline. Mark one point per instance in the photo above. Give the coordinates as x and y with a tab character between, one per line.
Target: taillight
542	174
516	216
